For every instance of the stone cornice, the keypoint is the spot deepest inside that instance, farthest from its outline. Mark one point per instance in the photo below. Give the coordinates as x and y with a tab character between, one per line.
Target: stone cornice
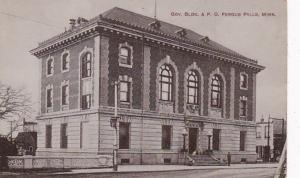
106	110
149	36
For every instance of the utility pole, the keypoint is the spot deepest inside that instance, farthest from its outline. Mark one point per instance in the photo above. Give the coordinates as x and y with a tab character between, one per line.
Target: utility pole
282	136
268	143
114	124
155	10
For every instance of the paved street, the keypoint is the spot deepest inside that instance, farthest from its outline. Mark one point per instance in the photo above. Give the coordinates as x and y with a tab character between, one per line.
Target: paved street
236	171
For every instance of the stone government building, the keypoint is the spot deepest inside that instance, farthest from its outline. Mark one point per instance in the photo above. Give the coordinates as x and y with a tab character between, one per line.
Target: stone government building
170	78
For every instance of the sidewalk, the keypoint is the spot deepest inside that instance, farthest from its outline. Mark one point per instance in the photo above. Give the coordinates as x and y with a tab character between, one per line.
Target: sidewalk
162	168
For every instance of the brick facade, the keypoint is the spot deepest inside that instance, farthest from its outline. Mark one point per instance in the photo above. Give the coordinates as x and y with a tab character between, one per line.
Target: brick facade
146	113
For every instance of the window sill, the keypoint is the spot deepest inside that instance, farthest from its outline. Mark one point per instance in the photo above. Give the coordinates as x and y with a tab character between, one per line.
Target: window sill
166	149
65	107
86	78
124	149
125	104
166	102
244	118
49	75
125	65
49	109
216	108
83	109
64	71
242	88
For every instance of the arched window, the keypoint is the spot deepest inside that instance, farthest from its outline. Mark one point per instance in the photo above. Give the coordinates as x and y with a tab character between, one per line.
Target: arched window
166	83
216	90
86	65
125	56
193	87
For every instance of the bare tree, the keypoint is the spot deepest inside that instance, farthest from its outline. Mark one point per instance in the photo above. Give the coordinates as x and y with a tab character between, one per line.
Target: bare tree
15	104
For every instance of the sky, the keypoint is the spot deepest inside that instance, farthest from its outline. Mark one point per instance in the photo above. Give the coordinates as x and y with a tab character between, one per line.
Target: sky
25	23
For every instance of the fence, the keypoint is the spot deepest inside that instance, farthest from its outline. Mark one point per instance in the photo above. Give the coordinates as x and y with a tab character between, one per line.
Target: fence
43	162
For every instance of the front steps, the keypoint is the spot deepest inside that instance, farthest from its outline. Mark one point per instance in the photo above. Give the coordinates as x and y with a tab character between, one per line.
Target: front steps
204	160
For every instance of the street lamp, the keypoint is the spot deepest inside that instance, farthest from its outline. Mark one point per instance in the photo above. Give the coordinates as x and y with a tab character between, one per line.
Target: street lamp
209	135
184	134
114	124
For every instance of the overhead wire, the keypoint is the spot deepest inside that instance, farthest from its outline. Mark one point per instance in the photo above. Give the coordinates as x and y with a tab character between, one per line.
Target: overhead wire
31	20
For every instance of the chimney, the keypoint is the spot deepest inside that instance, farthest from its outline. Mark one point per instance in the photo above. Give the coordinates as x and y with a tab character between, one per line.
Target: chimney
72	23
81	20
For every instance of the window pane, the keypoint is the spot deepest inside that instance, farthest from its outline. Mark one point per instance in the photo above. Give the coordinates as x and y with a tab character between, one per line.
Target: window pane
125	91
165	87
124	60
123	96
243	107
165	73
124	86
214	95
166	79
192	91
88	56
165	96
86	101
124	52
191	100
86	66
193	84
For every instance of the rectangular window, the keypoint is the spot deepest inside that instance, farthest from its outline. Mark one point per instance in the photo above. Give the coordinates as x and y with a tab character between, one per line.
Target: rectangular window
50	66
65	62
243	81
65	94
216	139
124	135
166	137
63	136
86	65
86	101
125	91
49	97
84	137
125	56
242	140
48	136
243	108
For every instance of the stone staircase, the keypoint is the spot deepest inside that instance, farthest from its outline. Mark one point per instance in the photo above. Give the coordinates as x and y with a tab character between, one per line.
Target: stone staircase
204	160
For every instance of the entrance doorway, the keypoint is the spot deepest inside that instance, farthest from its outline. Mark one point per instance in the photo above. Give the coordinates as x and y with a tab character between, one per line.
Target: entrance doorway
193	136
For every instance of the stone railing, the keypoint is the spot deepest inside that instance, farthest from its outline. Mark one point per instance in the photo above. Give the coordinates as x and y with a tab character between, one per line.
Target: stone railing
43	162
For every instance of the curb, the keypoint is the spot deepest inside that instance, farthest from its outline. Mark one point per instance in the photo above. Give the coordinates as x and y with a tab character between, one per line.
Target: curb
146	171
